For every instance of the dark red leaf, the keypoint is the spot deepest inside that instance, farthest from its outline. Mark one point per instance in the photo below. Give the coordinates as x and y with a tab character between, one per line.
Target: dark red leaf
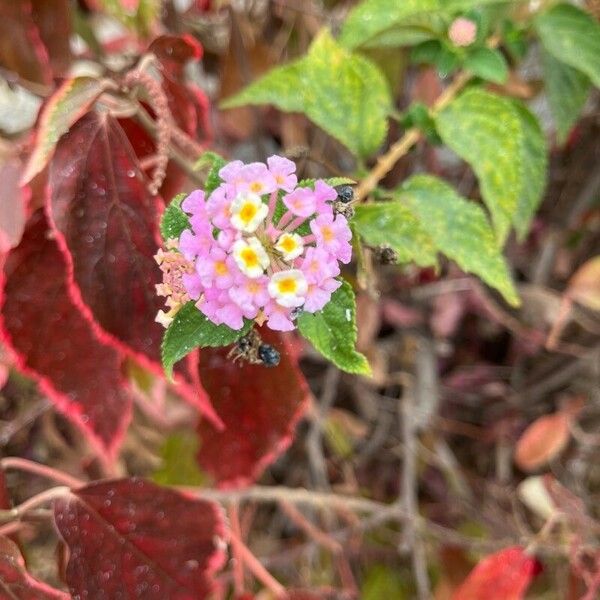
53	20
505	575
56	345
106	224
174	51
15	581
130	538
21	47
260	407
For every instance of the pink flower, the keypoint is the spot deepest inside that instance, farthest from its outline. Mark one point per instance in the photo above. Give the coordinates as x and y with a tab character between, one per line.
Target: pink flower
216	269
334	235
249	294
279	318
193	285
462	32
230	314
324	193
256	178
195	203
231	173
283	170
301	202
192	246
319	294
318	265
218	208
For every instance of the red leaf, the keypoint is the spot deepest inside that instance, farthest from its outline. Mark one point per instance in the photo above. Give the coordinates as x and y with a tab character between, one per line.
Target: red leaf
53	20
174	51
130	538
505	575
260	407
15	581
55	344
106	222
21	47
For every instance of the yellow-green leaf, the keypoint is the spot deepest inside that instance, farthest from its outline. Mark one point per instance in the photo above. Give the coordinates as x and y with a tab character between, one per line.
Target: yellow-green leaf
460	229
371	20
343	93
573	37
504	144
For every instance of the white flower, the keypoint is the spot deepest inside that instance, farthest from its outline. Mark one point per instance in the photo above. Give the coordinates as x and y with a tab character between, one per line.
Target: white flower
288	288
250	257
290	245
248	211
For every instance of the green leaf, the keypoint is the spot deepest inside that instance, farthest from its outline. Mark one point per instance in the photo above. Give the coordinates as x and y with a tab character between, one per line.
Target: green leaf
343	93
489	64
179	463
174	220
215	162
332	331
505	146
567	90
394	225
573	37
372	18
460	229
381	581
426	53
190	329
67	105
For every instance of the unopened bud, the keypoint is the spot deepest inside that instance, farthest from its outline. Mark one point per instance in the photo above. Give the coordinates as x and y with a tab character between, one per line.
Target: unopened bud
462	32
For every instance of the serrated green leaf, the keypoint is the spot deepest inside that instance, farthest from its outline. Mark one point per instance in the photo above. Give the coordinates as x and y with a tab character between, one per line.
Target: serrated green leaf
460	229
567	90
372	18
487	63
332	331
394	225
174	220
189	330
573	37
505	146
343	93
179	462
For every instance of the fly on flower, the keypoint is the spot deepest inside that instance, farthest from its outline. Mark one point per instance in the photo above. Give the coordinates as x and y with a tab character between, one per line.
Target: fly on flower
258	248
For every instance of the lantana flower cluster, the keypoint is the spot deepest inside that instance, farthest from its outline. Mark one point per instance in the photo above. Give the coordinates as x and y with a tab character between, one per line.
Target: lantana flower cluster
259	247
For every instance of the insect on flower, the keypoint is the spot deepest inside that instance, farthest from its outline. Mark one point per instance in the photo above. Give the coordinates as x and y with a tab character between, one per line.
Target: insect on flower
260	247
251	349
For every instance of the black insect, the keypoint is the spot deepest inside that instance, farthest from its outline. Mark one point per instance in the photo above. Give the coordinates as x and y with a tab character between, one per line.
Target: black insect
250	348
343	203
385	255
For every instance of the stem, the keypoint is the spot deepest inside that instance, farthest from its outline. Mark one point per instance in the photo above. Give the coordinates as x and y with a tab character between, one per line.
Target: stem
238	565
386	162
22	464
257	568
19	511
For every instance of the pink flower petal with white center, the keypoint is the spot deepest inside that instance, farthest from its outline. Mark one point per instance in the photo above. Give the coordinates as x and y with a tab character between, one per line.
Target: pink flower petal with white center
283	170
301	202
290	245
250	257
288	288
248	212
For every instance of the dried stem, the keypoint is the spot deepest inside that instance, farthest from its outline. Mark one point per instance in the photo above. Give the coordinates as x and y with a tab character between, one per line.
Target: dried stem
17	512
238	565
22	464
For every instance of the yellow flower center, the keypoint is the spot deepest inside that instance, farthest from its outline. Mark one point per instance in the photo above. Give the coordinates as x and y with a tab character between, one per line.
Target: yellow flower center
250	258
256	187
327	234
221	268
288	244
248	212
287	285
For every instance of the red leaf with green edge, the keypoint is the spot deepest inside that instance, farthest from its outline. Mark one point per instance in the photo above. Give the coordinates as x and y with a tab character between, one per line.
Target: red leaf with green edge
55	344
21	47
505	575
65	107
16	583
130	538
106	223
54	22
260	407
